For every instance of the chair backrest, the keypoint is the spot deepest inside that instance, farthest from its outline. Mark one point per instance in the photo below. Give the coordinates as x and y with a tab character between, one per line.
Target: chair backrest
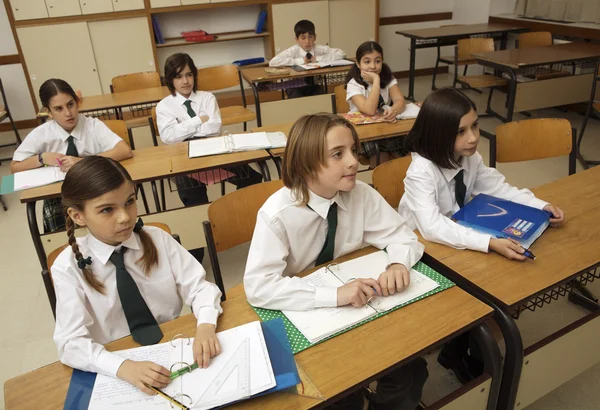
135	81
153	126
537	138
468	46
388	179
217	78
534	39
119	127
341	105
233	216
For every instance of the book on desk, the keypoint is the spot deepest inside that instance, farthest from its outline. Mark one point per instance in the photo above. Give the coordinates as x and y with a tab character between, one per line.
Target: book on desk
502	218
252	141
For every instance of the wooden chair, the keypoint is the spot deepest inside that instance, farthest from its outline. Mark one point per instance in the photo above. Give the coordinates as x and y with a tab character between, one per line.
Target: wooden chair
448	59
231	221
218	78
5	114
132	82
47	274
388	179
541	39
532	139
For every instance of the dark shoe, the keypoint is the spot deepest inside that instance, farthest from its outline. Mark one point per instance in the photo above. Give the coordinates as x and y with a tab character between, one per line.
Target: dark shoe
458	365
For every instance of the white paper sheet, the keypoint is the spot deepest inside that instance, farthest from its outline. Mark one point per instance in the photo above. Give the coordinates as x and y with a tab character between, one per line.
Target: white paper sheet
250	141
411	111
38	177
207	146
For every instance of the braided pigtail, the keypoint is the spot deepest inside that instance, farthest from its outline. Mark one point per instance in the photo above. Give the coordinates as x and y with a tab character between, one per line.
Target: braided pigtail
150	257
82	262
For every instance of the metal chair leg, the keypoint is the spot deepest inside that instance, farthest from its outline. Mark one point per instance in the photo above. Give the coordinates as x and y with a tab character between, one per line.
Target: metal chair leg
140	189
3	203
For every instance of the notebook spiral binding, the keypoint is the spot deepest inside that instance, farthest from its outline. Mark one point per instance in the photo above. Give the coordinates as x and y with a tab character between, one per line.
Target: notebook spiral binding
181	397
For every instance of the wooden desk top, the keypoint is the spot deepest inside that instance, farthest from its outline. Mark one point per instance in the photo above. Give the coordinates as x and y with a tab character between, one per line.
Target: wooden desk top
576	30
154	163
557	53
365	132
258	74
560	253
116	100
460	30
333	366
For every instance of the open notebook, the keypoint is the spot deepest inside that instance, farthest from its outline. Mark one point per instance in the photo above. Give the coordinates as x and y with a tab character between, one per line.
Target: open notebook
37	177
315	66
241	370
235	142
318	324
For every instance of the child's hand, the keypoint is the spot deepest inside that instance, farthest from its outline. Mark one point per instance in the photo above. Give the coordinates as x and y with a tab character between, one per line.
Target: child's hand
312	59
389	115
395	279
558	216
369	76
51	158
509	248
141	373
204	118
357	292
67	162
206	344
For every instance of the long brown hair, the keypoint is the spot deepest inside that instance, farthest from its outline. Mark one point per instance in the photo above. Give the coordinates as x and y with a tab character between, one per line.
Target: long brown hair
88	179
305	152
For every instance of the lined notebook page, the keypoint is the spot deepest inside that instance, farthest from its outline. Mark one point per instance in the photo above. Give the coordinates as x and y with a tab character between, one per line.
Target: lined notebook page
38	177
207	146
411	111
250	142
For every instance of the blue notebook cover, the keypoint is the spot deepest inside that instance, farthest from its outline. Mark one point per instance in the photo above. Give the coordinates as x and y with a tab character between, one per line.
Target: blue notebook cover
280	353
157	31
502	218
8	184
260	23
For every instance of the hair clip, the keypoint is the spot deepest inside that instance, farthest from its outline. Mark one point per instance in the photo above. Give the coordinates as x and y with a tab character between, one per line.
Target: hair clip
138	225
83	262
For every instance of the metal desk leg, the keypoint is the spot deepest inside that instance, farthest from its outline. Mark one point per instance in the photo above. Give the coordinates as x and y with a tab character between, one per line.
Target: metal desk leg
503	40
512	94
588	112
256	104
411	76
264	170
35	234
492	360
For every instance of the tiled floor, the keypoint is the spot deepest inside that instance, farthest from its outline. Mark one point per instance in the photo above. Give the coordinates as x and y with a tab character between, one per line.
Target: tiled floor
27	323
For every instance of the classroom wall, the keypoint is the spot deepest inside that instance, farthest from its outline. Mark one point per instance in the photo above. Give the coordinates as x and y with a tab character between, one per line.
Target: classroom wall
502	7
12	75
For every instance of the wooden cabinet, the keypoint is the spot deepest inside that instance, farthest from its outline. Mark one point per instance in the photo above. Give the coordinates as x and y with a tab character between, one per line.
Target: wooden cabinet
47	57
351	23
29	9
61	8
285	16
187	2
96	6
164	3
123	5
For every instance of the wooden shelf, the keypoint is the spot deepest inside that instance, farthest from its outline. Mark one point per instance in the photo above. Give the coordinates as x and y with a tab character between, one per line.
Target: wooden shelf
242	35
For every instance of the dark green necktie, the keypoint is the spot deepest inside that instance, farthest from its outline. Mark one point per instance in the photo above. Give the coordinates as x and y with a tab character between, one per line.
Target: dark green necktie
326	253
460	190
71	148
142	324
188	105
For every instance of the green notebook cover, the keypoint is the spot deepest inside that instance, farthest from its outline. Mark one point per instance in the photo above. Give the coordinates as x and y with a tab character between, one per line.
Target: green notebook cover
300	343
8	184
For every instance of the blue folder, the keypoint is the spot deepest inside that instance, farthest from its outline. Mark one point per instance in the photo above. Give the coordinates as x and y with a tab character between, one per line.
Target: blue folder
8	184
278	345
502	218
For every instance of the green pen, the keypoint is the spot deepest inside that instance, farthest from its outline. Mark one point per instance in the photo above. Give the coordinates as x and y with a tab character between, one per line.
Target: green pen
183	371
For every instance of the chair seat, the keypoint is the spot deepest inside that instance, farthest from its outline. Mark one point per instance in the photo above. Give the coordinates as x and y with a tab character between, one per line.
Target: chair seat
461	61
137	122
236	115
482	81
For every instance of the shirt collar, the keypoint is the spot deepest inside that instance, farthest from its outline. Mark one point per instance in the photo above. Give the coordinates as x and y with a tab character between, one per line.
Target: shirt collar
450	173
76	132
102	251
181	99
321	205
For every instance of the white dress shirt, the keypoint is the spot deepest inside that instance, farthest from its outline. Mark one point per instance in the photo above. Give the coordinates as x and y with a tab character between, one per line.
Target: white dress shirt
295	55
91	137
288	239
354	88
429	199
87	319
176	125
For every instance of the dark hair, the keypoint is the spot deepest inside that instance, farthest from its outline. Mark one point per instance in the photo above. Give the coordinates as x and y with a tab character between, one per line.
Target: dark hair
435	129
304	26
174	65
367	47
90	178
52	87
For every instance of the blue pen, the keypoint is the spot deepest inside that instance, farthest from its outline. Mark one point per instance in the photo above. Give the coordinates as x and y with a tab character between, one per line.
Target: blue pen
527	252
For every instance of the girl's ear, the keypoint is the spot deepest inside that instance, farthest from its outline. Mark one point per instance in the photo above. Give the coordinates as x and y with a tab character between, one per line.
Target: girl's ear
77	216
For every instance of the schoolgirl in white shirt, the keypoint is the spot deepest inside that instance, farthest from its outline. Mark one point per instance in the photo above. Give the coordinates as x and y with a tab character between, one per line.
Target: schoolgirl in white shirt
63	141
372	89
294	232
121	278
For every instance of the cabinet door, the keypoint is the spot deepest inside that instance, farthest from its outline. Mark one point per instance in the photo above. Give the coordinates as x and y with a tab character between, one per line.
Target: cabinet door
132	55
164	3
60	8
186	2
122	5
285	16
29	9
351	23
96	6
51	59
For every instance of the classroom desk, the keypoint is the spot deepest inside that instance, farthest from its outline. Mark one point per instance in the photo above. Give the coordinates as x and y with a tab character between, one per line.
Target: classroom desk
336	367
256	75
552	92
147	164
445	36
586	31
562	255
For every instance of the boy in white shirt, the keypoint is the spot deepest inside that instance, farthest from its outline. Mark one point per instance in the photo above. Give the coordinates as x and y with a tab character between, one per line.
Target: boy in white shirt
303	52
